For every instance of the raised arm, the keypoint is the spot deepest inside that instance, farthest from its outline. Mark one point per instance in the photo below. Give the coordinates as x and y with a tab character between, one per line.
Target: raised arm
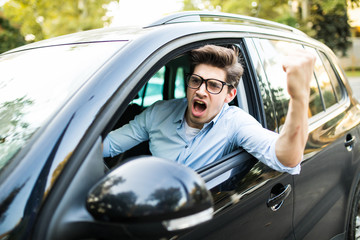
290	145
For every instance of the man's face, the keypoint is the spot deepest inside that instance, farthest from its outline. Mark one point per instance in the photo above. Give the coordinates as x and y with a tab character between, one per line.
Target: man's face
202	105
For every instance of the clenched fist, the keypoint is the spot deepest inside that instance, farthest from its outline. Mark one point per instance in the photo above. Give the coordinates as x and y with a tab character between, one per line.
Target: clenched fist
298	66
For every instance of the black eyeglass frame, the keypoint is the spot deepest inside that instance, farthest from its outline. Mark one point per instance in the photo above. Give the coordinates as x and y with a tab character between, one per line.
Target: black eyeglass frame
188	75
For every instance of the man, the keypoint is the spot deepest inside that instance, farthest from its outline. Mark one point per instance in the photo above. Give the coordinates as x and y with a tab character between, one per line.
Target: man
202	128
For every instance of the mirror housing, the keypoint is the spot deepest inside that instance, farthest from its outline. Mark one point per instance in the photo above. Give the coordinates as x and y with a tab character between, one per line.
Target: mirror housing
150	190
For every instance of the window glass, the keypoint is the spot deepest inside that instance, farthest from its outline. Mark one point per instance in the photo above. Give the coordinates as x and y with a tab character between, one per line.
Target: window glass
152	91
323	80
180	90
271	53
263	84
315	102
332	75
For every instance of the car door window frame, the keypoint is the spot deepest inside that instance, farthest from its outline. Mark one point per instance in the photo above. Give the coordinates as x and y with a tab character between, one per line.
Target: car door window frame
247	89
321	114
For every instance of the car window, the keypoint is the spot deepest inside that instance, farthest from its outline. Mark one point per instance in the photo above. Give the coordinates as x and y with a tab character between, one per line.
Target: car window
264	87
322	93
324	81
180	88
167	83
271	54
152	91
333	78
315	101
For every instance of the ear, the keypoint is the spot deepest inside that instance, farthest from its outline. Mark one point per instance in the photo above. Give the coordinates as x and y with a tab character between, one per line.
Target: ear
230	95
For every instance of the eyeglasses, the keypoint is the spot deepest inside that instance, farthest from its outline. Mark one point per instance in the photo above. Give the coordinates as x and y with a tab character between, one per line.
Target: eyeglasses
213	86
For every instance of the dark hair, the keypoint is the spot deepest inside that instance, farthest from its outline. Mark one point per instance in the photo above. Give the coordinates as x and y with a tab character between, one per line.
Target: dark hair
221	57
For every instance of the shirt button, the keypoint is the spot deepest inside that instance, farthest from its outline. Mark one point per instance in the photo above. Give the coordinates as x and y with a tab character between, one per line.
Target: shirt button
186	146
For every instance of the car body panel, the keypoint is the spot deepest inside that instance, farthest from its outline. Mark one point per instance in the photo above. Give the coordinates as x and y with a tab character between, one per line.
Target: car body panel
241	195
323	203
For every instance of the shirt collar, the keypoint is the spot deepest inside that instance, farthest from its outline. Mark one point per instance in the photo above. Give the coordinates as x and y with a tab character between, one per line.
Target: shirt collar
179	117
216	118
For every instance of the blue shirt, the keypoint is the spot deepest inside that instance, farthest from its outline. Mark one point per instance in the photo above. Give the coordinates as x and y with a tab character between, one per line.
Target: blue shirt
163	125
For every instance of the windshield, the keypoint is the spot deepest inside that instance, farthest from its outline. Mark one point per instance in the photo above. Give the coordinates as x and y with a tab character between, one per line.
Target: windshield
34	84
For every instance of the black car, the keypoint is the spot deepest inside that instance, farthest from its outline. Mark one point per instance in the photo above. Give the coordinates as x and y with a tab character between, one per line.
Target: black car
59	98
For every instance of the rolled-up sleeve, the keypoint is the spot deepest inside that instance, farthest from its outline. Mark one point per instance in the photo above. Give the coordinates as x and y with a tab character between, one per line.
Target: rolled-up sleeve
277	165
126	137
106	147
260	143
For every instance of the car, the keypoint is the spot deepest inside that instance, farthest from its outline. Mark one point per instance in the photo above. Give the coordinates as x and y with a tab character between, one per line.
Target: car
59	98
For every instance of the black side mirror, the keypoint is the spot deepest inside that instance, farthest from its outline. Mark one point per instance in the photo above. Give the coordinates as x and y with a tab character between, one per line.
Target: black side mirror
151	191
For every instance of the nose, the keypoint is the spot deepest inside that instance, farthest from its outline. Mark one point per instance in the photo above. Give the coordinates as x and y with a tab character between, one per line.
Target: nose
202	89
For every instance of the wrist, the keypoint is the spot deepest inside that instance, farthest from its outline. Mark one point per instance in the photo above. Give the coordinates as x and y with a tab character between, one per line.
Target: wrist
301	101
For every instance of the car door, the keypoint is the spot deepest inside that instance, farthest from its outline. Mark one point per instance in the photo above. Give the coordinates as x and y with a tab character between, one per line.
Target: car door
322	189
241	188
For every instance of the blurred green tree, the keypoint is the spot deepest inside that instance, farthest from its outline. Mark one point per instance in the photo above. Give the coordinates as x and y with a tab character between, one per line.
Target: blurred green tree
10	36
267	9
42	19
318	18
329	18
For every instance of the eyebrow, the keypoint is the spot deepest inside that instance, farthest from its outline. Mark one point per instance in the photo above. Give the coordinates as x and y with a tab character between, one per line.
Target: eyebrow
208	78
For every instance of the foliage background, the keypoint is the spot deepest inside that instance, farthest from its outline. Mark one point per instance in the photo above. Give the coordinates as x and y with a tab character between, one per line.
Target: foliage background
34	20
318	18
10	36
24	21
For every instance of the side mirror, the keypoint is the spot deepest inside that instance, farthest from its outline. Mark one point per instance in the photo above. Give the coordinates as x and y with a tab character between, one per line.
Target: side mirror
149	191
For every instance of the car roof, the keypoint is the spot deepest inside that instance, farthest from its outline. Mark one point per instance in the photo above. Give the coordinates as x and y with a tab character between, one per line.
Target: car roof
204	16
182	23
108	34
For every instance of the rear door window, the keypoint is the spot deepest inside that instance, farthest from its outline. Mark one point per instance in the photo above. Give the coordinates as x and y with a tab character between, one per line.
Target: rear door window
180	88
271	53
333	78
266	94
325	90
152	91
326	85
167	83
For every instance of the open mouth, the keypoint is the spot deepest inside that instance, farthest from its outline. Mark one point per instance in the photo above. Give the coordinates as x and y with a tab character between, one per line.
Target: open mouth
198	108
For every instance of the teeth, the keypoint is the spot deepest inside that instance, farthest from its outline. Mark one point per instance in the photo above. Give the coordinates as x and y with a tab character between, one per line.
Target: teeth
200	102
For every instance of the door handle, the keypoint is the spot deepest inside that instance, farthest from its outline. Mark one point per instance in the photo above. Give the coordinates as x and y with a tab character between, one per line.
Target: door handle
278	194
349	142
